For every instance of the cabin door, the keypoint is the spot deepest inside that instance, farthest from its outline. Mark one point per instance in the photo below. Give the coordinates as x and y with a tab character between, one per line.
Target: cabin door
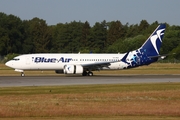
27	60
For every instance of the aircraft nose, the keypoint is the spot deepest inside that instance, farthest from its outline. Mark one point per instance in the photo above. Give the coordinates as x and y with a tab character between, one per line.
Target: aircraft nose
9	64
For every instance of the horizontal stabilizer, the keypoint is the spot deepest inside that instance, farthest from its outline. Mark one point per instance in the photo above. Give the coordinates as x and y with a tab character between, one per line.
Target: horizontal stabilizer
160	57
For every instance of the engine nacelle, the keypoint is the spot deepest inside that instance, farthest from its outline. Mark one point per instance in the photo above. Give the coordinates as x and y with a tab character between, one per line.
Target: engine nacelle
59	71
73	69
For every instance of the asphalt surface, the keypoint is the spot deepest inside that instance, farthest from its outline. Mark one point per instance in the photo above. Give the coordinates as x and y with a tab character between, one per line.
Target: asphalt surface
14	81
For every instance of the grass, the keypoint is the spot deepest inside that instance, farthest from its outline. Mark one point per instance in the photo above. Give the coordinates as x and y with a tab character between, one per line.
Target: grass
94	102
141	101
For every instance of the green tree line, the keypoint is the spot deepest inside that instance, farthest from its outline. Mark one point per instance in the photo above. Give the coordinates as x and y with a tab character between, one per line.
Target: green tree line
36	36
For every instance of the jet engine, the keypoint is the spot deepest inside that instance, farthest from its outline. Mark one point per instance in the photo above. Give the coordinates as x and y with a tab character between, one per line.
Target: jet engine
73	69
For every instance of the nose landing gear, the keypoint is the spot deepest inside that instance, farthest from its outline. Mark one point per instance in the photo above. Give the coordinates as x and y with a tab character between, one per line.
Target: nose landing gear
21	71
22	74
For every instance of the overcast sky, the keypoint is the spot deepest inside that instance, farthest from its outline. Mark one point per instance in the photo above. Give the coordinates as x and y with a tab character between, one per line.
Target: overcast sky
62	11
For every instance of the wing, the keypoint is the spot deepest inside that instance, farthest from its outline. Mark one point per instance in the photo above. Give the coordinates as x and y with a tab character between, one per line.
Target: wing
99	65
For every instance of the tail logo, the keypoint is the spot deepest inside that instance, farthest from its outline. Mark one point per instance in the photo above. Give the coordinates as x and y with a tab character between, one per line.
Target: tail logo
149	51
155	37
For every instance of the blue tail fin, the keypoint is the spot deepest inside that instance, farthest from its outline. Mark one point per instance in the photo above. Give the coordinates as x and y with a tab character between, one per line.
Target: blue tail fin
148	52
153	43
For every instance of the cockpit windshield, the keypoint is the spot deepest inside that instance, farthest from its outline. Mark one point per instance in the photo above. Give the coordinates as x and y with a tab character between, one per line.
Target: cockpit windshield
16	59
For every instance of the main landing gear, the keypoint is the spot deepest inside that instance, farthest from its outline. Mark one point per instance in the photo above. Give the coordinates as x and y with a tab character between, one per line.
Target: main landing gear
87	73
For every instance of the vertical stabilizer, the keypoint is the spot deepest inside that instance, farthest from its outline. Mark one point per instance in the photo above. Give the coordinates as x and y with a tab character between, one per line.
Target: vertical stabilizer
149	51
153	43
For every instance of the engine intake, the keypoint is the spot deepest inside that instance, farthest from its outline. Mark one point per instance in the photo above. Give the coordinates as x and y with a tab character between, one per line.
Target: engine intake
73	69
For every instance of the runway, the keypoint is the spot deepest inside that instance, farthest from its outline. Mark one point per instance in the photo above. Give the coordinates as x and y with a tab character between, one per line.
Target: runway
14	81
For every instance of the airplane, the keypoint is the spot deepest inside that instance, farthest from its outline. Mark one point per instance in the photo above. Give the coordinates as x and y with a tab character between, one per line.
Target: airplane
77	63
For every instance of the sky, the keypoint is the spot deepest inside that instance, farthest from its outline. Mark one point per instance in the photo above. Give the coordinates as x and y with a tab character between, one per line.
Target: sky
126	11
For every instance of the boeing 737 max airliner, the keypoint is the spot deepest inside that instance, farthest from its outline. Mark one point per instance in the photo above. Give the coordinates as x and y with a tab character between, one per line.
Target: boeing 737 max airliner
86	63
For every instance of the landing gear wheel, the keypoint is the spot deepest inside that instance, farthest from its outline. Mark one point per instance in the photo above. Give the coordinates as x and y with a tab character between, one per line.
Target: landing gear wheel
22	74
90	73
84	73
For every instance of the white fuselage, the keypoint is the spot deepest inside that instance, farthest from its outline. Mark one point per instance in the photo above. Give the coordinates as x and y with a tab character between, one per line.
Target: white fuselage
58	61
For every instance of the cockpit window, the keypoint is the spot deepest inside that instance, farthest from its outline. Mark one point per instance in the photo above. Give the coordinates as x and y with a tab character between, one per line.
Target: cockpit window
16	59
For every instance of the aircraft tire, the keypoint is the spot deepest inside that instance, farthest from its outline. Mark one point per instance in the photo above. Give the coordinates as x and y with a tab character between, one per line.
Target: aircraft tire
84	73
22	74
90	73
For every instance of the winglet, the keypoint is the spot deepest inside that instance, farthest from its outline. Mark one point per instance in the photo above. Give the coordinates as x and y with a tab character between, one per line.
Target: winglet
125	57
